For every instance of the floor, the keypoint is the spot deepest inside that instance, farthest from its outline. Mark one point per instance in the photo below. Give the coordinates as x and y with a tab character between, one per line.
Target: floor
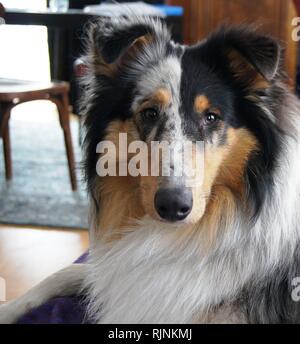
28	255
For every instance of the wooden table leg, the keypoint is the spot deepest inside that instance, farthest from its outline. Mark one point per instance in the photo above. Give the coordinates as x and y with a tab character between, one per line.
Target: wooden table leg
63	111
70	156
7	151
5	109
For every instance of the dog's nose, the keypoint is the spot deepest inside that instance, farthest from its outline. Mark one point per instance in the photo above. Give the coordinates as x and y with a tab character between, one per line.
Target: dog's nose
173	204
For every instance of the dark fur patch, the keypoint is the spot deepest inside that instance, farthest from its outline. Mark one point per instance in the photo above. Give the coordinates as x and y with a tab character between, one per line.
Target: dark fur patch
269	301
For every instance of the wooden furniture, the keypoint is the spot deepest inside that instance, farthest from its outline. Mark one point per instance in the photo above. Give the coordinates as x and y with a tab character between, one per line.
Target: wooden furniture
15	92
273	16
1	11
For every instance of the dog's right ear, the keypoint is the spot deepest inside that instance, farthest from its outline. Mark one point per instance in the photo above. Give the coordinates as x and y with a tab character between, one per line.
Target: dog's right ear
117	42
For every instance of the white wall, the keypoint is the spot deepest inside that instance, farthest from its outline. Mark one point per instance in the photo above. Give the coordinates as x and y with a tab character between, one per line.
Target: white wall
25	55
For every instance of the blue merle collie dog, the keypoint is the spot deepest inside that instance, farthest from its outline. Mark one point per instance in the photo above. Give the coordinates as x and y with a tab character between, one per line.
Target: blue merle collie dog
223	251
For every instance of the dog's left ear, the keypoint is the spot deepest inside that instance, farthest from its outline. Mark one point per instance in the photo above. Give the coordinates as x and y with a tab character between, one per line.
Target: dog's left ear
116	42
254	59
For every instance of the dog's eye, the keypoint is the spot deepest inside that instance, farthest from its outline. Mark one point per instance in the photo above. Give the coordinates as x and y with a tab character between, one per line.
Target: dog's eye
150	113
211	118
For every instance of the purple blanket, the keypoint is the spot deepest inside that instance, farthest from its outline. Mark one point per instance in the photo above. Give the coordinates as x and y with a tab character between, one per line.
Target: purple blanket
60	310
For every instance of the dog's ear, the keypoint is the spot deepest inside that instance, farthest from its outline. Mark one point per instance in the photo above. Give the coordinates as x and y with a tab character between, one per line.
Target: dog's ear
113	42
116	42
254	59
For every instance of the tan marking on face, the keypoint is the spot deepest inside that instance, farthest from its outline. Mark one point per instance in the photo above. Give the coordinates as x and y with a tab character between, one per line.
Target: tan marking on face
161	98
227	162
201	103
120	205
214	201
118	197
118	127
213	157
243	143
225	179
149	186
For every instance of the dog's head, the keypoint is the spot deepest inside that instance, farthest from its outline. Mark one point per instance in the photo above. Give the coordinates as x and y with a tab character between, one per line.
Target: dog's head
220	92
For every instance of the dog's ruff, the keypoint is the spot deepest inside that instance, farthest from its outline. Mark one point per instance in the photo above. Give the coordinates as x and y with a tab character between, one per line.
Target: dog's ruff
236	258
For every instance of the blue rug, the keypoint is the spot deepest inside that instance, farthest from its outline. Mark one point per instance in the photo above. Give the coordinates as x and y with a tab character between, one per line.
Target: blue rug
40	193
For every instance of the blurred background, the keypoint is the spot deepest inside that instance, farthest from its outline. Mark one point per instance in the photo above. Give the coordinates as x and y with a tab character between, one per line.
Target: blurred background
43	203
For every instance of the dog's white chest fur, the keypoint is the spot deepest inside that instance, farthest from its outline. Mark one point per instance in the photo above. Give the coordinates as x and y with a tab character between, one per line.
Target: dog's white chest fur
148	277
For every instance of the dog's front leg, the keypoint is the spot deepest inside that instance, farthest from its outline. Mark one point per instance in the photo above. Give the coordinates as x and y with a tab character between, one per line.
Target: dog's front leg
65	282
